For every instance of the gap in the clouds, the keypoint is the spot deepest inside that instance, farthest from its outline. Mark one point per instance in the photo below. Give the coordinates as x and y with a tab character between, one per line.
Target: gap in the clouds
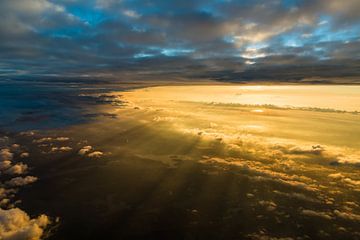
89	15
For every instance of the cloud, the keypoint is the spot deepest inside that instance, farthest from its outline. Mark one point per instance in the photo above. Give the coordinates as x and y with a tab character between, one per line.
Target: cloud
5	154
5	165
84	150
262	236
258	172
15	224
21	181
50	139
61	149
269	205
175	40
24	155
18	168
336	175
312	213
347	215
298	196
344	179
96	154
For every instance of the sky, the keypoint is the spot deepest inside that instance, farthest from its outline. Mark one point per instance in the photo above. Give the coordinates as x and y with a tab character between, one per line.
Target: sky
179	39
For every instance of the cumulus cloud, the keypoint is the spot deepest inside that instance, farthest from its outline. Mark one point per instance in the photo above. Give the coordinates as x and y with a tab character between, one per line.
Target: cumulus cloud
21	181
5	164
61	139
61	149
15	224
340	177
85	150
6	154
24	155
260	172
96	154
347	215
18	168
15	146
50	139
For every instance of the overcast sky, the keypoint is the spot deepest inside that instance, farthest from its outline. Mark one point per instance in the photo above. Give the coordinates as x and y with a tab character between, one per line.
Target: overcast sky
218	39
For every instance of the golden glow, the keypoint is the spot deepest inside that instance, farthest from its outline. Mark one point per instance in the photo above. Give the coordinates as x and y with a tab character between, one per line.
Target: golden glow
337	97
257	110
288	146
301	115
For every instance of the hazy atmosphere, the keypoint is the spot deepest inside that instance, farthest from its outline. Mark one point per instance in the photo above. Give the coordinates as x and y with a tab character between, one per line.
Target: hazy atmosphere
209	119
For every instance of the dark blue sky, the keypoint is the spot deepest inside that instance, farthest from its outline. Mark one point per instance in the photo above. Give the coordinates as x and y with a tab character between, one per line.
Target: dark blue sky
222	39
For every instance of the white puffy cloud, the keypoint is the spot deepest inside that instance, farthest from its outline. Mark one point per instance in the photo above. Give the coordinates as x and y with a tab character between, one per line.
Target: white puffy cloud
85	150
96	154
16	224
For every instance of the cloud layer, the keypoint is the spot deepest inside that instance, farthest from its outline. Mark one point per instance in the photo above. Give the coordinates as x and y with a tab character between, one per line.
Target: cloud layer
226	40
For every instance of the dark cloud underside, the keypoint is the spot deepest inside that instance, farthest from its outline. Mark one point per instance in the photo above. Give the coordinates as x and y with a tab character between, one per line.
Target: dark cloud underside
218	39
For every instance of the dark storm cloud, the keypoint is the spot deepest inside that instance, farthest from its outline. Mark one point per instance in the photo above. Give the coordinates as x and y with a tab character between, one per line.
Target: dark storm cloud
232	40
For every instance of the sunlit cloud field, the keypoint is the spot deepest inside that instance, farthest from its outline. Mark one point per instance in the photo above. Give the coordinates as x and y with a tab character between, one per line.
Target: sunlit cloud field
192	162
297	146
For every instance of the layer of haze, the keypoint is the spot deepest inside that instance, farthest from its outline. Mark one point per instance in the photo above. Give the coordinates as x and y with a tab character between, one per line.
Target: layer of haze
335	97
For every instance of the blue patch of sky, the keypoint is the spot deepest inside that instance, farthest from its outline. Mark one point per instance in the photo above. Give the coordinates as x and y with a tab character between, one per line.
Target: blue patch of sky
290	3
143	55
67	32
172	52
229	39
293	39
91	16
325	32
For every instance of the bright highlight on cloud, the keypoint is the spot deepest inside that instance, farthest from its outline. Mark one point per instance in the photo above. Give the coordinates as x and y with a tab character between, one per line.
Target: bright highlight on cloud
15	224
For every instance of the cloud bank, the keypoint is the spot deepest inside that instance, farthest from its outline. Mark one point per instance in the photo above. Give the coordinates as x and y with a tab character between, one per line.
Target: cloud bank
223	40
